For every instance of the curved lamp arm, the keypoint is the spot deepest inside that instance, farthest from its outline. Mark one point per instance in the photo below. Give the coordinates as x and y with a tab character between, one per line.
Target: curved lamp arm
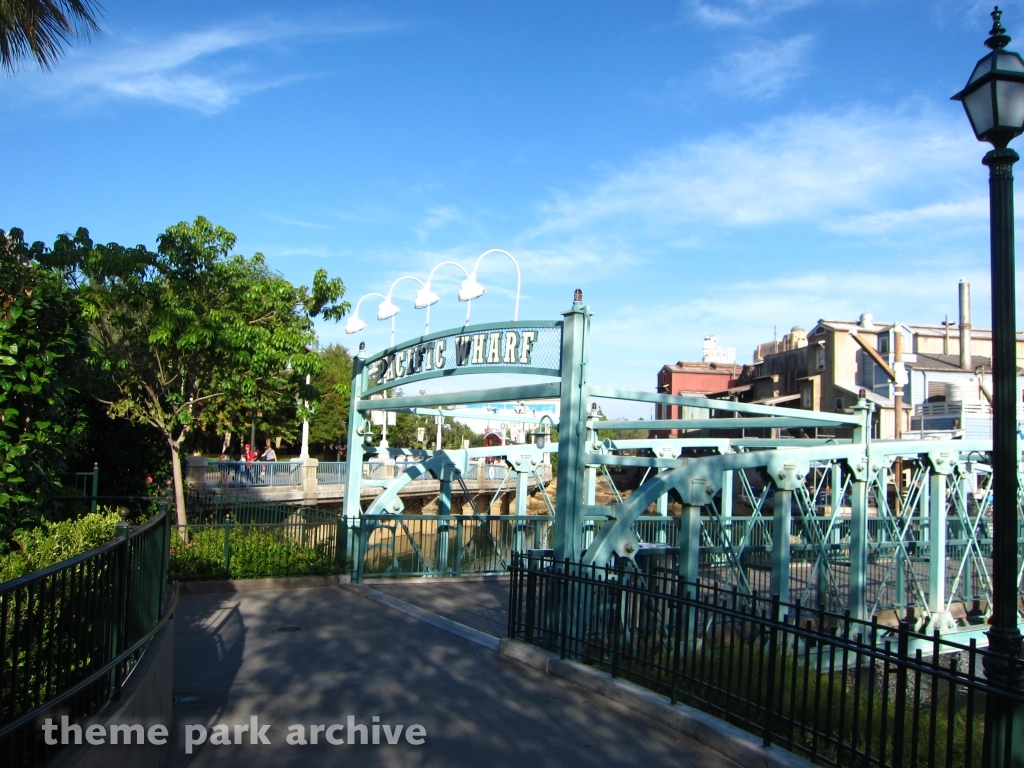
425	297
388	308
355	324
471	289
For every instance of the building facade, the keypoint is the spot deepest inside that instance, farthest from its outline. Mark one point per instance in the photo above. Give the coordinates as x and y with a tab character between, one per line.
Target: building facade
945	375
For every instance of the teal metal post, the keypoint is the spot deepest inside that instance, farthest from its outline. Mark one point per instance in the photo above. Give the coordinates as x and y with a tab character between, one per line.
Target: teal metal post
961	499
689	545
444	509
522	491
860	474
590	483
340	539
937	547
572	432
352	505
519	529
858	548
837	491
782	523
836	505
444	494
727	501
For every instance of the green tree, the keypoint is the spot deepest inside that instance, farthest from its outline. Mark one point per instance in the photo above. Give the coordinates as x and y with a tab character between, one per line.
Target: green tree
190	336
41	28
42	349
328	424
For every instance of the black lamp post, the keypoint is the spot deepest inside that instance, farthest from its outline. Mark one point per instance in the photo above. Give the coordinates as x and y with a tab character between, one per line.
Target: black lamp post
994	101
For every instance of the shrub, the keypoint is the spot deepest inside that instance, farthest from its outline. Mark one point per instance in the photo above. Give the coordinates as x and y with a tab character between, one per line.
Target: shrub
255	552
53	542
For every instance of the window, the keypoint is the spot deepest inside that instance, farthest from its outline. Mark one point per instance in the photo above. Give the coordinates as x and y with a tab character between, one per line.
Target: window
840	404
819	358
883	344
867	366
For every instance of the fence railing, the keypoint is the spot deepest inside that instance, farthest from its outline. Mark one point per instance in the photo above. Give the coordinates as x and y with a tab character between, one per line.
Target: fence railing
71	633
331	473
463	545
256	474
262	474
438	545
822	685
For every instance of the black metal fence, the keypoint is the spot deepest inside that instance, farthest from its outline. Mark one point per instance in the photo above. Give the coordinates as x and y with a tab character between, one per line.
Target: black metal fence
70	634
834	690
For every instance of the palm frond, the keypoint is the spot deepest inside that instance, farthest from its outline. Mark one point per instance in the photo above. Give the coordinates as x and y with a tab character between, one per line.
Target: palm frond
41	28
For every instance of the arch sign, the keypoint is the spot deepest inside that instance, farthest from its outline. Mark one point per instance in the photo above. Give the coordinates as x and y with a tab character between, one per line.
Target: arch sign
524	347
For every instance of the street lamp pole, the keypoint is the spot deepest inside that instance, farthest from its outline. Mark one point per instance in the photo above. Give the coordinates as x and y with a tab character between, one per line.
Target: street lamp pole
1004	723
994	101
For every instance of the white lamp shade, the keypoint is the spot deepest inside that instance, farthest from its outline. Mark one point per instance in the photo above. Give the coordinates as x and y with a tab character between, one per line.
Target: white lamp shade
425	297
387	309
354	324
470	289
994	95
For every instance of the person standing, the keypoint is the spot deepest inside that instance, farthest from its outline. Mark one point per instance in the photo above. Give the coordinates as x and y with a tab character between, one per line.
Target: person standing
269	454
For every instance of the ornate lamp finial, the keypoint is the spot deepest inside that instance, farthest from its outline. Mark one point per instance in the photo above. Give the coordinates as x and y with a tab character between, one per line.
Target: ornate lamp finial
997	35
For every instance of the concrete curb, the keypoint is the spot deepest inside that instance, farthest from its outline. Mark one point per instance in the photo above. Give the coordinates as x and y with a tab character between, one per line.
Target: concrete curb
728	740
257	585
490	642
427	580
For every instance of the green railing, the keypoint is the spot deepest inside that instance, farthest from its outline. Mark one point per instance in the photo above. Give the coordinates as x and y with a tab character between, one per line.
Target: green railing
438	545
390	546
834	690
71	633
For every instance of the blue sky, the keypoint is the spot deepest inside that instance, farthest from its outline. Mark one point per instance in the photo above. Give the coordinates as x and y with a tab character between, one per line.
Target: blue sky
698	167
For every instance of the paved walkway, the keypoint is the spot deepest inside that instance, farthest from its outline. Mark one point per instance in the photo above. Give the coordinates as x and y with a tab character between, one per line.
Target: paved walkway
357	657
481	605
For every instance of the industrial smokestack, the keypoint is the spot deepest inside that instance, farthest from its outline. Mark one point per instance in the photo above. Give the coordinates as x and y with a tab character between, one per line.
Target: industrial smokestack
965	326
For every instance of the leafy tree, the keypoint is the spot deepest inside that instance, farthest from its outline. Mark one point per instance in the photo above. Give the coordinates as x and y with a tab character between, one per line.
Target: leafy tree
41	29
42	349
455	432
328	424
190	336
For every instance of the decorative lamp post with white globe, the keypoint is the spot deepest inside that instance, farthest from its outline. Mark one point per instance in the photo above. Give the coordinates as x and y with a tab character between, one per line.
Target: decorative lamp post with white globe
994	102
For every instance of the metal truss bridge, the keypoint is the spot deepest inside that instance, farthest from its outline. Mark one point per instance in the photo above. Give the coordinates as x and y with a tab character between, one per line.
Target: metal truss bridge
879	528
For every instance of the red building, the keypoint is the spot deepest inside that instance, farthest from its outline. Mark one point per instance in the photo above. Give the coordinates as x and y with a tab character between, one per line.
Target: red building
697	379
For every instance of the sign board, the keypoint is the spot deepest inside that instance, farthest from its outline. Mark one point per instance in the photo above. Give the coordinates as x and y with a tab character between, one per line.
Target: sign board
504	348
377	418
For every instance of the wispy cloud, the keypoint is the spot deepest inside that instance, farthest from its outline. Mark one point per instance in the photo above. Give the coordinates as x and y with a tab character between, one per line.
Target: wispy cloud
974	210
294	222
319	251
735	12
437	217
762	69
822	168
205	71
